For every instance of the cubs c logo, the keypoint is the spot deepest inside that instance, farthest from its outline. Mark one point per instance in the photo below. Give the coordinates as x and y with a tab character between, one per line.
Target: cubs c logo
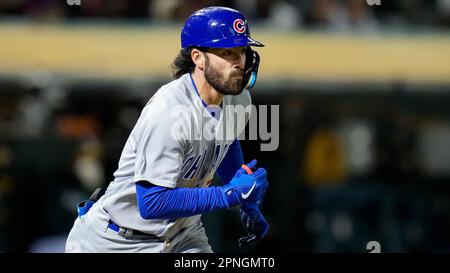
239	26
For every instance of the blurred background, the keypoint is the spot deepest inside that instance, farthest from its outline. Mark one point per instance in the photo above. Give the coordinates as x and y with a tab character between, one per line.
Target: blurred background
364	98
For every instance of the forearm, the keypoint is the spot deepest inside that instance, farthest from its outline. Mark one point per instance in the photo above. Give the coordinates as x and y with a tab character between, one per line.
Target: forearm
156	202
231	163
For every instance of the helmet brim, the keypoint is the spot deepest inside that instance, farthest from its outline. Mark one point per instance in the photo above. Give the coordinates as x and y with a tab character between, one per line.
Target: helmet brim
252	42
229	42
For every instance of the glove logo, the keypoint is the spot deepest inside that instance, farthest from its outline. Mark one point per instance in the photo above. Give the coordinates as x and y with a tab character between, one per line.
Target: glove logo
245	196
239	26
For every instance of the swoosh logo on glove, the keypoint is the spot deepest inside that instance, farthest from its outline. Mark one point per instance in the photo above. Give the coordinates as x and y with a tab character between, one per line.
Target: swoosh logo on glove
245	196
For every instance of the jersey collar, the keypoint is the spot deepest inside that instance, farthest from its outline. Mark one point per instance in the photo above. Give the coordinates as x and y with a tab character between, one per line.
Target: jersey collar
214	114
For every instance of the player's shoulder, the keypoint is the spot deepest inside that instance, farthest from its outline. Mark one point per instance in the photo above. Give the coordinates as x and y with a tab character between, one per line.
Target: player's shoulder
167	101
174	92
169	95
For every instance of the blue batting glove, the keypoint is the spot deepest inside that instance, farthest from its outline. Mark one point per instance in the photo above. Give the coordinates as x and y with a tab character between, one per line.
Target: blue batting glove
255	224
245	188
251	166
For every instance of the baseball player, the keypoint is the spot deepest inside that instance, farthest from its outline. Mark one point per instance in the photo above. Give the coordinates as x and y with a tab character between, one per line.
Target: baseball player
182	137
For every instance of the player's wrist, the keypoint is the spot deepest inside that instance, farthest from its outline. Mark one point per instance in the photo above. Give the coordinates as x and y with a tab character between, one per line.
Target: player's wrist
231	196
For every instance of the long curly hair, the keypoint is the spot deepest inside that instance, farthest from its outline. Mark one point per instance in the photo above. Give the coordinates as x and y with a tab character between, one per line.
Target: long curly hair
183	63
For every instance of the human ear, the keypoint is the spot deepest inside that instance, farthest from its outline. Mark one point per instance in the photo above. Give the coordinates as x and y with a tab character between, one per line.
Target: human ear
198	57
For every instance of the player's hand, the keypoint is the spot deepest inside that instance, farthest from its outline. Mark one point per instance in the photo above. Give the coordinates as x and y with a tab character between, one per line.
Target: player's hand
255	224
246	188
248	168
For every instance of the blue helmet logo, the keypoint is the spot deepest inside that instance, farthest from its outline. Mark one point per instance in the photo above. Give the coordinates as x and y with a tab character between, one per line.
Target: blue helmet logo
216	27
239	26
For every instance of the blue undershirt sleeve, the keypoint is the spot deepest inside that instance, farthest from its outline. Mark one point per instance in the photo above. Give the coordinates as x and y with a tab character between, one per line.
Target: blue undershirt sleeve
157	202
231	163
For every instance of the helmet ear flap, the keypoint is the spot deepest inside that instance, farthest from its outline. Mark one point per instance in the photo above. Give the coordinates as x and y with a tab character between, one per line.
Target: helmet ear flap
251	68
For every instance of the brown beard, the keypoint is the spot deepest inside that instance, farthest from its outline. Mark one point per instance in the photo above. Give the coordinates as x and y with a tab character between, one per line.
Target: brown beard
232	86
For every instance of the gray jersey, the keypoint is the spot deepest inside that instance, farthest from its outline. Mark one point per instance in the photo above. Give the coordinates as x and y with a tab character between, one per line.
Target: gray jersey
176	142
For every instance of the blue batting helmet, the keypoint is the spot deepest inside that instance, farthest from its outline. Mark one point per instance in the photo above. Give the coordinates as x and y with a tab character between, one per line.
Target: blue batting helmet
216	27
